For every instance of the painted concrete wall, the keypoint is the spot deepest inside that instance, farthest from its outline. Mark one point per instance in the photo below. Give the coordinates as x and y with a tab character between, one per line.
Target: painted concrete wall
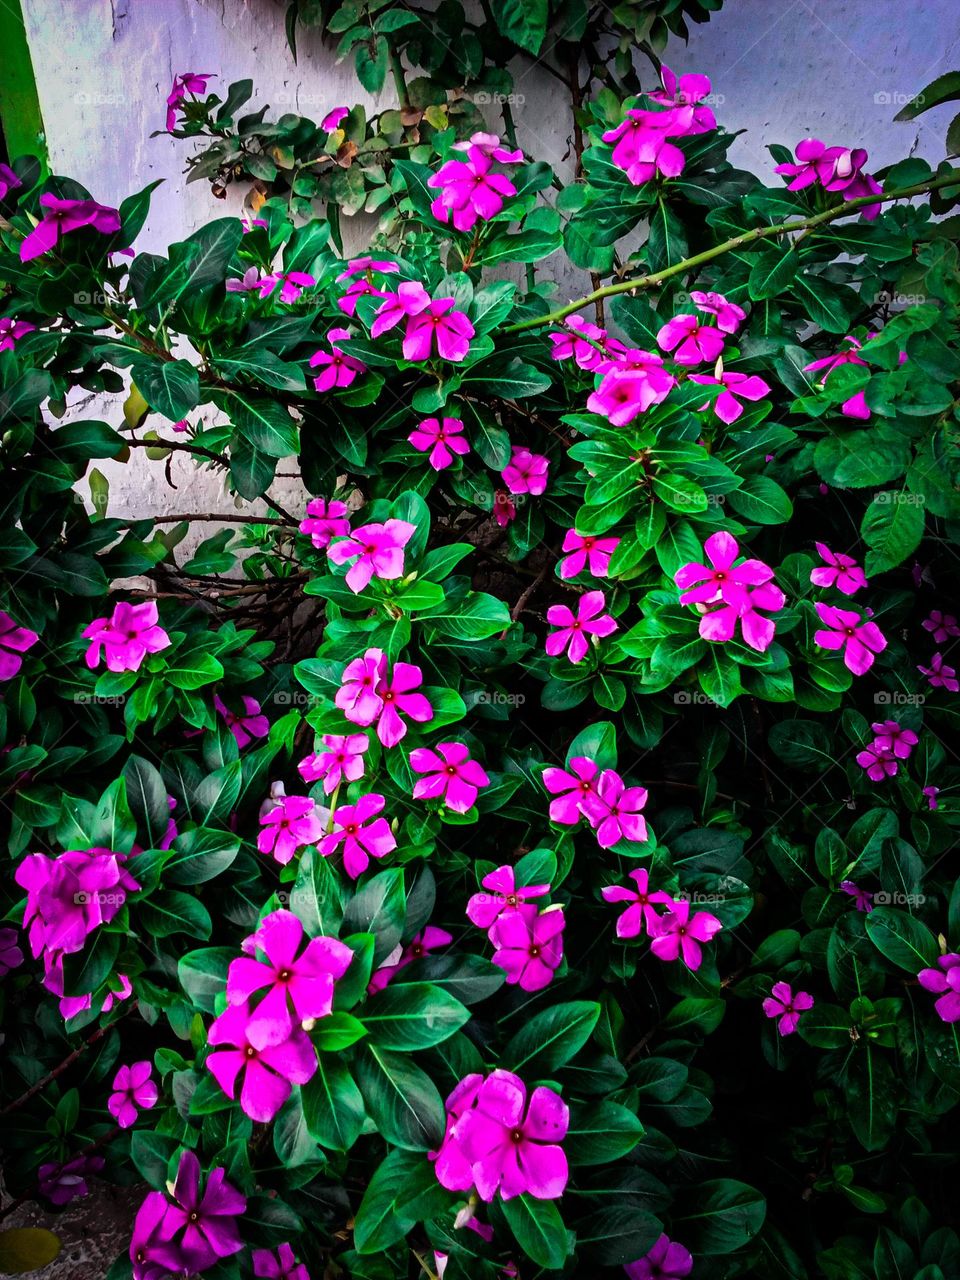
781	69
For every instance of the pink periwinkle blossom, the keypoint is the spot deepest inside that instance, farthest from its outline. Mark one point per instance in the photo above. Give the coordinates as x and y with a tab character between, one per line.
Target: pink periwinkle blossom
247	724
690	341
729	315
940	675
630	385
194	82
526	472
11	957
666	1260
338	367
70	1006
12	330
859	638
283	1264
643	903
678	935
614	810
735	387
14	643
247	283
71	895
358	697
325	520
61	1183
292	284
364	265
504	896
529	945
442	438
60	217
490	145
125	638
572	344
450	775
942	626
878	762
731	593
856	405
835	169
573	789
786	1006
469	190
641	147
838	570
575	628
267	1073
944	981
504	508
891	736
428	940
931	794
289	826
586	551
361	834
282	977
429	322
340	761
8	181
333	119
134	1090
862	898
357	289
376	551
373	693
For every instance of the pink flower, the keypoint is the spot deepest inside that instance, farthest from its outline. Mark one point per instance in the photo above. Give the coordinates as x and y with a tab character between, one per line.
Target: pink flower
469	191
126	637
573	790
504	509
410	299
860	640
249	282
572	345
441	439
526	472
489	144
304	981
439	325
931	793
841	571
430	939
284	1265
856	406
11	331
641	148
878	762
361	833
736	387
325	520
589	620
945	982
190	82
61	1183
358	289
188	1232
14	641
8	181
376	551
939	675
247	725
63	216
677	936
397	693
341	762
685	94
71	895
70	1006
358	266
268	1073
505	897
289	826
667	1260
787	1007
133	1088
690	341
507	1145
891	737
339	368
809	152
630	386
333	119
738	591
643	902
863	900
529	946
357	696
587	552
942	625
451	775
292	284
729	315
11	957
614	810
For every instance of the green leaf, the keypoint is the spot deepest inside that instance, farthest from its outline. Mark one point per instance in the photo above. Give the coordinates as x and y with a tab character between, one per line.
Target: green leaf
371	60
170	912
264	424
24	1249
522	21
316	896
728	1215
403	1191
203	853
379	908
84	971
551	1038
332	1106
902	938
601	1133
538	1229
171	387
761	500
945	88
400	1098
203	974
892	527
772	271
412	1015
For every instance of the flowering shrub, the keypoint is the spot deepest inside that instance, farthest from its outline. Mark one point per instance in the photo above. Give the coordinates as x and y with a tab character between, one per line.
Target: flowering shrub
534	856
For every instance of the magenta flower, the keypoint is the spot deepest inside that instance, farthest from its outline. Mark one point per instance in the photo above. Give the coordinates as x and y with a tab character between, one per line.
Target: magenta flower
862	899
510	1146
332	120
943	626
410	299
194	82
325	520
292	284
451	775
786	1007
126	637
614	810
589	620
677	936
397	694
451	1166
504	509
339	368
267	1074
245	725
283	1265
14	642
841	571
289	826
630	385
809	152
303	981
61	1183
190	1231
586	552
376	551
573	344
490	145
342	760
71	895
643	902
738	591
945	982
686	93
361	266
361	833
529	946
930	792
362	288
641	146
939	675
729	315
878	762
856	406
736	387
133	1088
12	330
60	217
690	341
430	939
505	896
858	638
11	957
667	1260
526	472
249	282
70	1006
8	181
469	191
441	439
358	696
439	325
891	737
573	790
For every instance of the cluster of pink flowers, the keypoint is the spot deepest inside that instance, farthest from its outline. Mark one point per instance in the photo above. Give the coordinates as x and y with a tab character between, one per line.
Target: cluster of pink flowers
292	285
288	824
451	776
630	384
188	1230
891	744
60	217
574	629
340	369
470	190
341	761
528	943
14	643
786	1006
443	439
834	169
497	1141
360	833
324	521
613	809
376	551
430	324
194	82
133	1089
371	692
125	638
675	935
940	675
944	981
642	146
859	639
728	593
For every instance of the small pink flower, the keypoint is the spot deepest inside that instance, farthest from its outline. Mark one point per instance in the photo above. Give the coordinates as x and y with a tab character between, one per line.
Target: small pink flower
11	957
572	345
856	406
943	626
677	936
356	290
126	637
931	793
586	552
863	900
589	620
333	119
325	520
690	341
451	775
133	1089
573	790
529	946
878	762
289	826
489	144
786	1007
249	282
860	639
292	284
630	385
376	551
469	190
440	325
614	810
667	1260
284	1265
247	725
939	675
340	369
505	896
503	508
430	939
643	902
194	82
342	761
890	736
361	834
14	642
526	472
357	696
398	695
441	439
841	571
736	387
737	591
63	216
945	982
361	266
11	331
267	1074
729	315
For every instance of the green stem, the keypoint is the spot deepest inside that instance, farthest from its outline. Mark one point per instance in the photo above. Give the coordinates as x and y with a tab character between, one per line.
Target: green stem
399	77
510	131
737	242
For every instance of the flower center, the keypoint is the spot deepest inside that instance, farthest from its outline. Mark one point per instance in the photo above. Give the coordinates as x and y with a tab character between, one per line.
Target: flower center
516	1136
534	951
